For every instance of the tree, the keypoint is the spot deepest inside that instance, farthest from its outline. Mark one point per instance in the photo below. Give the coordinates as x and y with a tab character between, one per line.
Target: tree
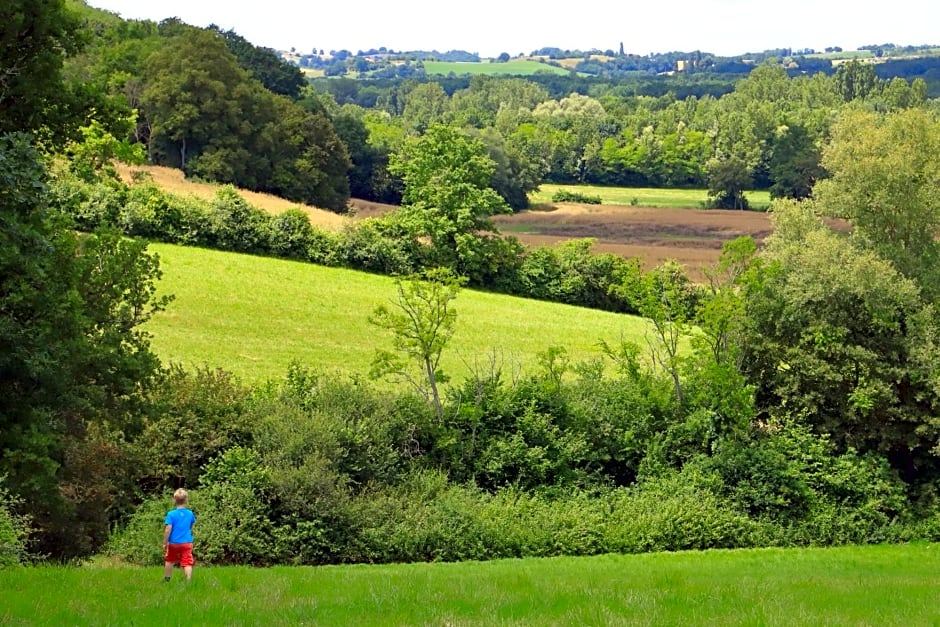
448	198
421	324
855	80
727	180
666	298
885	179
209	118
720	313
35	36
794	163
425	105
838	338
277	75
73	357
513	176
299	155
197	100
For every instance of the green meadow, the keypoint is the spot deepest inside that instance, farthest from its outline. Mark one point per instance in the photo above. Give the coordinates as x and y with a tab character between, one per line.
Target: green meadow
645	196
869	585
254	316
518	67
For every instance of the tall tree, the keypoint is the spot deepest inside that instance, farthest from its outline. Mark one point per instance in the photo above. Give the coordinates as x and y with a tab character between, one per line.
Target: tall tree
794	163
448	197
211	119
856	80
35	36
885	179
838	338
277	75
196	100
72	352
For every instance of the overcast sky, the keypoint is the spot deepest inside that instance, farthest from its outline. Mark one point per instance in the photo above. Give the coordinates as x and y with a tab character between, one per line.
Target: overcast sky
489	27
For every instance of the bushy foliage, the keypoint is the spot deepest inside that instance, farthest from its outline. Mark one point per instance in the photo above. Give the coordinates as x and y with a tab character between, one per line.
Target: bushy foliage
565	195
380	246
194	416
570	273
14	530
560	463
573	273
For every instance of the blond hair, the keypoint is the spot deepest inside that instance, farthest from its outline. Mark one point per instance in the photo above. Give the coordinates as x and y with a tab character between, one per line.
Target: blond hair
180	496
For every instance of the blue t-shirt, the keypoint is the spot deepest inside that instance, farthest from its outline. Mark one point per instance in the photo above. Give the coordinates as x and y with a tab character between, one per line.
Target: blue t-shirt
182	520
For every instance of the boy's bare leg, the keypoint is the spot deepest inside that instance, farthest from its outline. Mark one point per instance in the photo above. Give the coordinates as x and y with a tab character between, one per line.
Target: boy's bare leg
167	569
188	570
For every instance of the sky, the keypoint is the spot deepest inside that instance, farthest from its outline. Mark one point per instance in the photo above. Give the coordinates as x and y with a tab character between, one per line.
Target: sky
490	27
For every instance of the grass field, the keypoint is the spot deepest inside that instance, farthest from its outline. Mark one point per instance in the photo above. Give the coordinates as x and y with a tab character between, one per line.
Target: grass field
254	316
519	67
645	196
874	585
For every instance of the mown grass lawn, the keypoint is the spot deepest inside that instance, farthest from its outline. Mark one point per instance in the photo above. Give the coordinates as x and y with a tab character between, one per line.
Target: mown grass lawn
872	585
645	196
254	316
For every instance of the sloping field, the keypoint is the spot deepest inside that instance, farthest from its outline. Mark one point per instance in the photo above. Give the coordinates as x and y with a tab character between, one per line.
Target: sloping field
255	315
174	181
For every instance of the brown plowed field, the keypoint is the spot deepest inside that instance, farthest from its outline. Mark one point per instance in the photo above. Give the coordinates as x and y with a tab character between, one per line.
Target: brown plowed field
693	237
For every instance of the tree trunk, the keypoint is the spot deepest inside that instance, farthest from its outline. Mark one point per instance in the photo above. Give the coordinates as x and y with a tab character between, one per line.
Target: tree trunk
435	395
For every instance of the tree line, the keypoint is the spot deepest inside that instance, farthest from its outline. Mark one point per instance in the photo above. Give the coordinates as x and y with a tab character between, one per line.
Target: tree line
212	104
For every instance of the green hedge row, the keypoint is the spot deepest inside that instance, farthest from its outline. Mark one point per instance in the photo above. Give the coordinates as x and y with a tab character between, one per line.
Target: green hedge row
318	470
571	273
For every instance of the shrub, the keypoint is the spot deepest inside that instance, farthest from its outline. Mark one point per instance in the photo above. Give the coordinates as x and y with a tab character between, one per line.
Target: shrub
237	226
234	525
14	530
376	245
679	511
194	417
139	541
564	195
291	235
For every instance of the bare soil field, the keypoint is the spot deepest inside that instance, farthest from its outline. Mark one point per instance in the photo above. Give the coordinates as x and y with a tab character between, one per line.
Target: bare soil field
693	237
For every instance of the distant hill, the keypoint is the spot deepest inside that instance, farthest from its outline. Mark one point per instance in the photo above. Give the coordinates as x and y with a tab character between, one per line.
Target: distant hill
893	60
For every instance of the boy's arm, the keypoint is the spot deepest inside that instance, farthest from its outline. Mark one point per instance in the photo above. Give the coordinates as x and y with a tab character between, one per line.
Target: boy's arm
166	534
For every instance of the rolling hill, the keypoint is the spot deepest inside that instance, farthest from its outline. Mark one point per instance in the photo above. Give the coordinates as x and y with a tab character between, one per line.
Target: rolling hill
254	316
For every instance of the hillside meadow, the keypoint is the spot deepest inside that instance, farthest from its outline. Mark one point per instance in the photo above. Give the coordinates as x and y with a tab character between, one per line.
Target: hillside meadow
254	316
871	585
517	67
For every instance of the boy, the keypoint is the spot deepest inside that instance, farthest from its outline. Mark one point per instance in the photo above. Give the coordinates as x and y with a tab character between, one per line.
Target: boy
178	537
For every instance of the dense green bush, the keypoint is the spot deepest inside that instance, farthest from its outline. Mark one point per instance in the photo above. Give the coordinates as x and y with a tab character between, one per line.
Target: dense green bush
379	246
194	416
564	195
14	530
139	541
679	511
573	273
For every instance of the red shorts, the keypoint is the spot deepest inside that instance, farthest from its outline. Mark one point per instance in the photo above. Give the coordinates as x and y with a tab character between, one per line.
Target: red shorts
181	554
